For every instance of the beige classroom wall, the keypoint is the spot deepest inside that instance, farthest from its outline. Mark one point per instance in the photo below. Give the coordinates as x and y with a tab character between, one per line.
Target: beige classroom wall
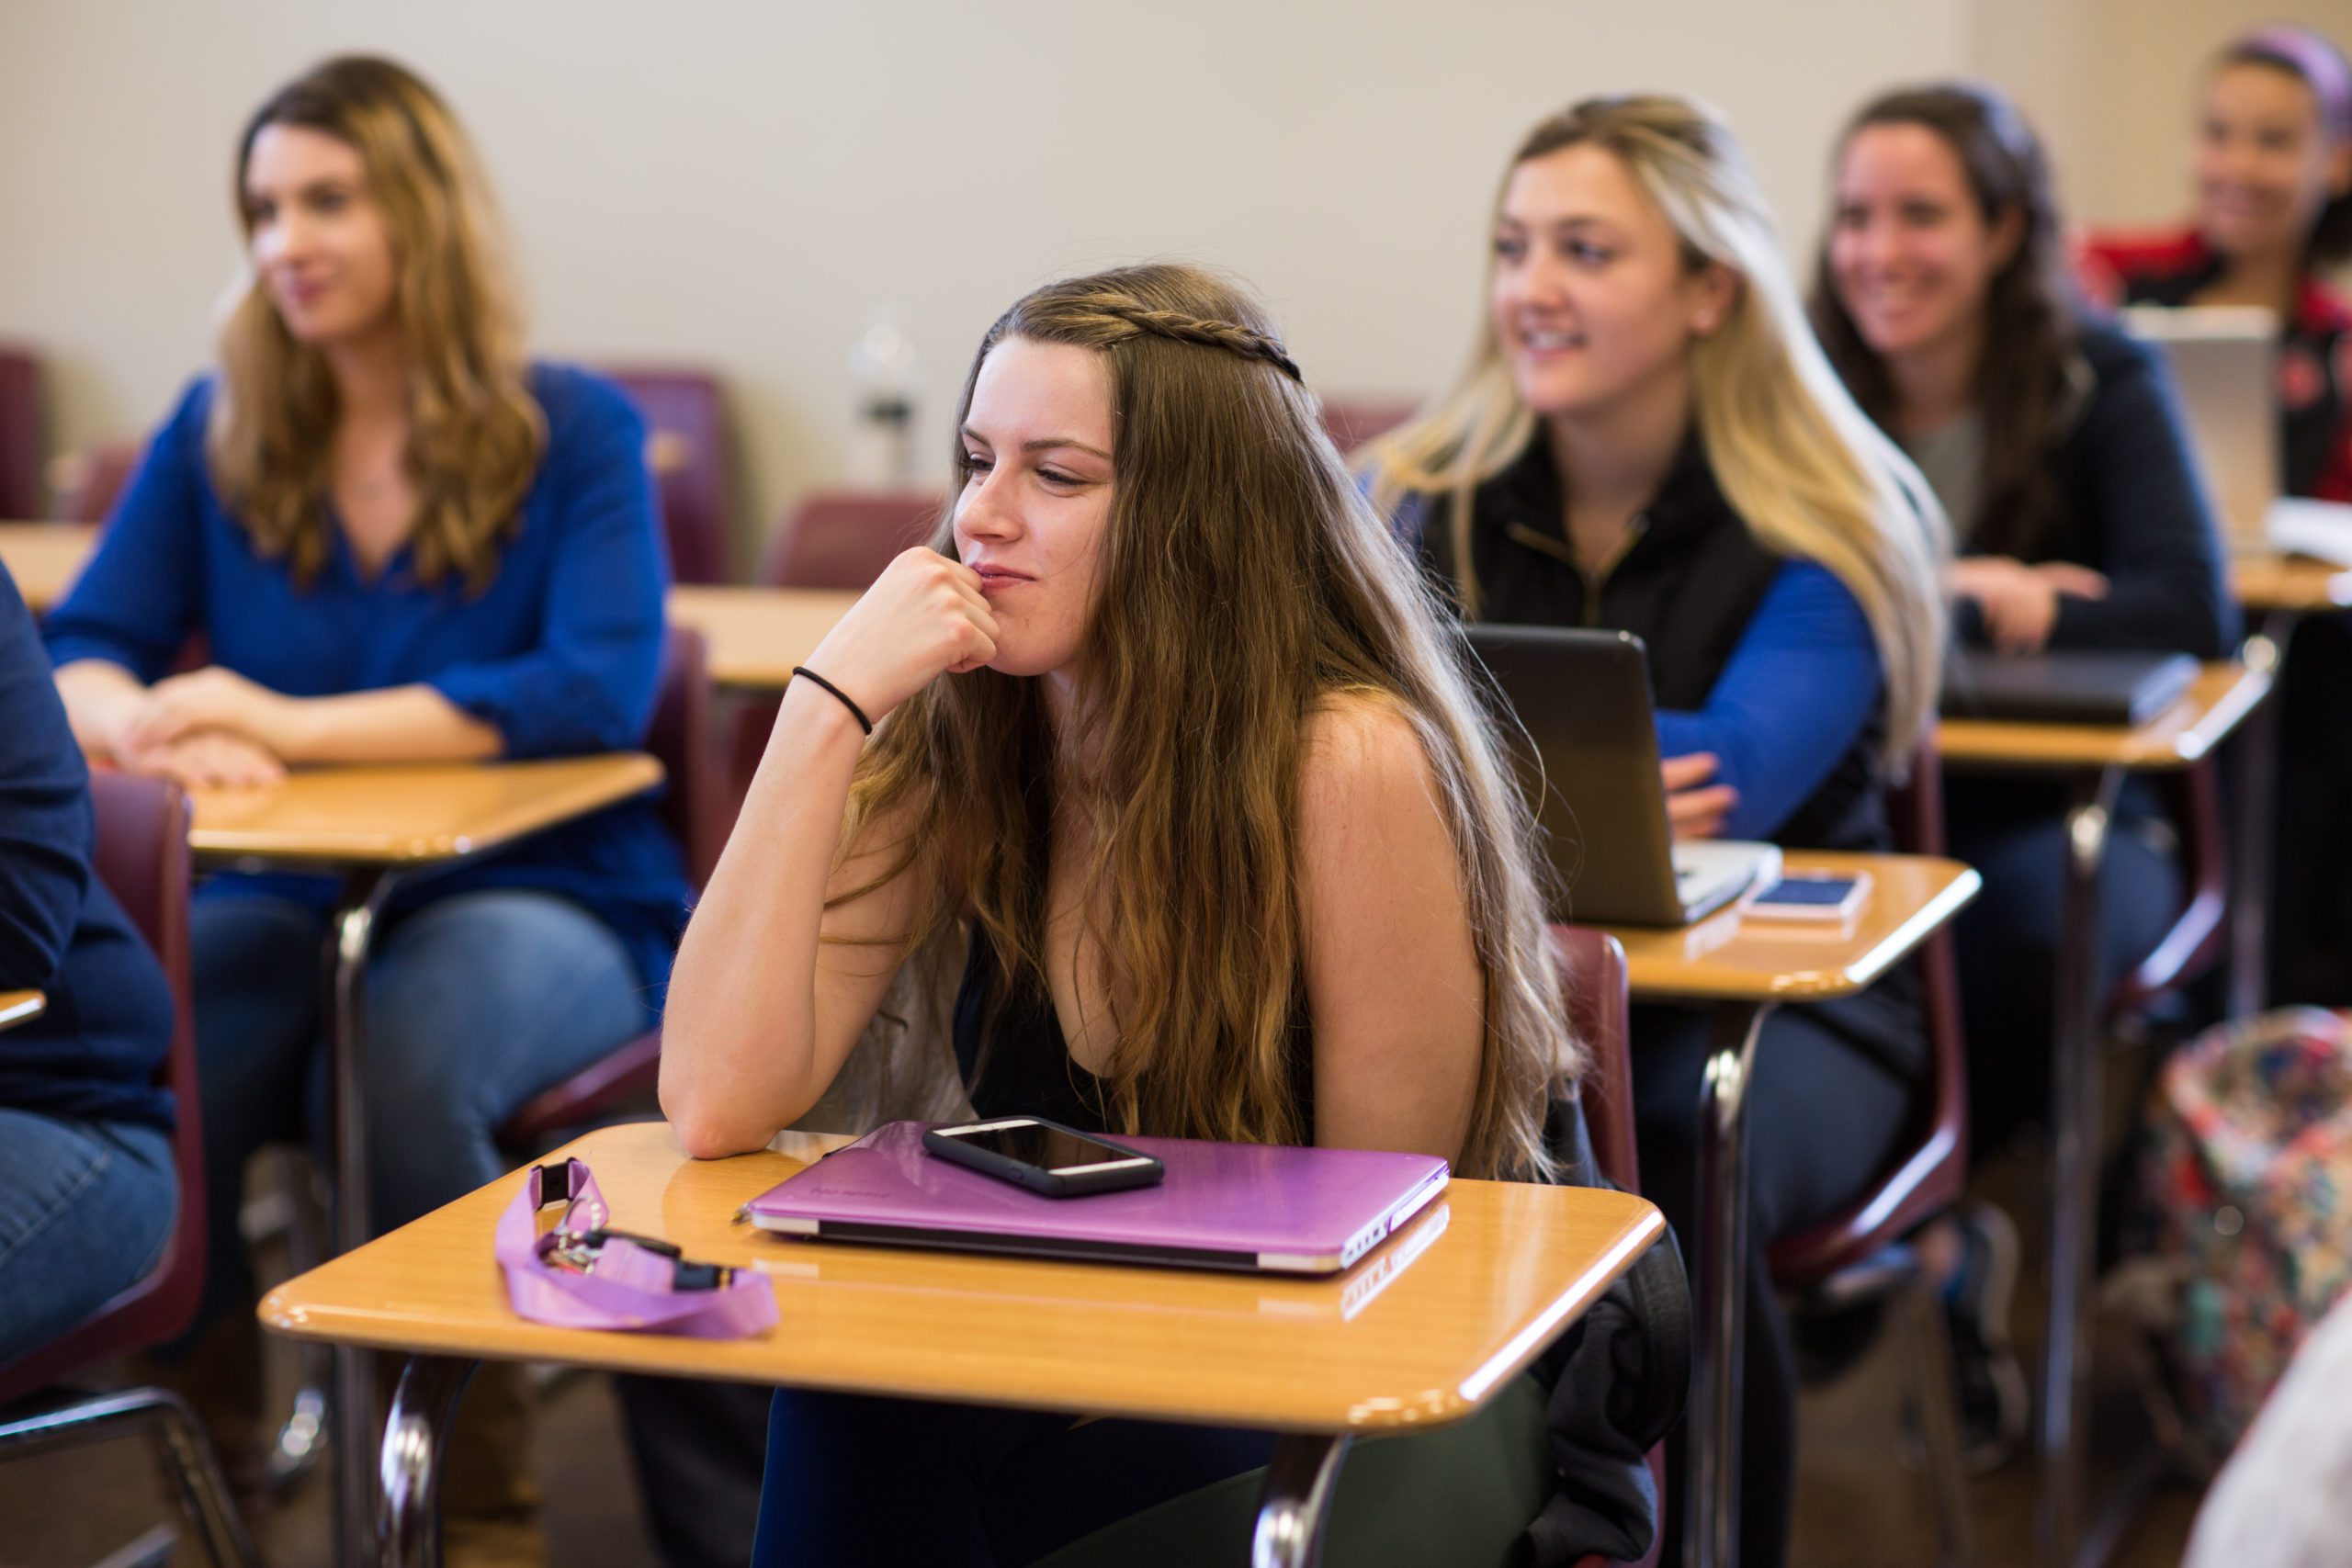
739	184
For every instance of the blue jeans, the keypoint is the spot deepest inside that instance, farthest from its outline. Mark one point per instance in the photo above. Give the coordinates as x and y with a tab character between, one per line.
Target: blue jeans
85	1208
475	1003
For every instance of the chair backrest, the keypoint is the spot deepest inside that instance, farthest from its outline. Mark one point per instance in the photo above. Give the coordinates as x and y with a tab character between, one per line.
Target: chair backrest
87	483
1592	978
842	538
23	434
1353	421
681	736
142	857
1927	1177
692	464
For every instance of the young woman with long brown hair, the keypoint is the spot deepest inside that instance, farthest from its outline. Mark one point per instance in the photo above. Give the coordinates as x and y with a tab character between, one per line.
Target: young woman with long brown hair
402	540
1647	439
2055	443
1162	720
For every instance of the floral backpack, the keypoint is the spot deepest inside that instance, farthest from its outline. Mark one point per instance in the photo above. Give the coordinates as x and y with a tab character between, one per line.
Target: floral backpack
2247	1177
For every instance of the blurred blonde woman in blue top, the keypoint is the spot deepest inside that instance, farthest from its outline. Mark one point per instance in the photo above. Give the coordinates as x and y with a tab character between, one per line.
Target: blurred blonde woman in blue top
402	540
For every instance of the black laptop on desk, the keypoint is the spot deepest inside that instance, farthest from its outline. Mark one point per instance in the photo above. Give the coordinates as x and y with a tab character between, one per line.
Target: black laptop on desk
2104	686
1586	750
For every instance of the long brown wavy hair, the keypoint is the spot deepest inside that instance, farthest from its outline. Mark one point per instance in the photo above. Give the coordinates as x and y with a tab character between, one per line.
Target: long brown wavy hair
475	434
2033	319
1243	582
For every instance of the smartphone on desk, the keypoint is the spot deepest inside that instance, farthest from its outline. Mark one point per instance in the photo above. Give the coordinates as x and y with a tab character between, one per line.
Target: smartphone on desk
1811	899
1044	1156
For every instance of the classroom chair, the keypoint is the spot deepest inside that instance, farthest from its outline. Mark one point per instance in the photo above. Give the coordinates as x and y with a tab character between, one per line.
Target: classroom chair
85	485
23	434
142	857
832	538
1463	1495
692	460
681	739
1861	1253
842	538
1351	421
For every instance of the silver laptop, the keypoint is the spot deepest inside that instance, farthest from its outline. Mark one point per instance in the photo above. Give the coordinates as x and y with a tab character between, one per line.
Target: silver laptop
1586	750
2223	361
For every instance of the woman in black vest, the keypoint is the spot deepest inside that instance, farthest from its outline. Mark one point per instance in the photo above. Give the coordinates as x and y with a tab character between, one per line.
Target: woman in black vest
1648	439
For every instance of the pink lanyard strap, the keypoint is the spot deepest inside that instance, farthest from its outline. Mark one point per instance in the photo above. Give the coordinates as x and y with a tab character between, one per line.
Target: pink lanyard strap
582	1275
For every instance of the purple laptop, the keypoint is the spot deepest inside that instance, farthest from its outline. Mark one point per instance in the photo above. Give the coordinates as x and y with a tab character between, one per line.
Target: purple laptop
1249	1206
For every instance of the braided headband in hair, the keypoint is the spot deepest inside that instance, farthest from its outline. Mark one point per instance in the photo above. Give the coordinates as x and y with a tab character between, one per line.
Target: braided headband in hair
1206	330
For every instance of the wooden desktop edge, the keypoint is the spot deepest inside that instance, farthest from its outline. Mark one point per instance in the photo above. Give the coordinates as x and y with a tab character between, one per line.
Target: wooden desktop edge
283	1310
1654	978
1991	743
21	1007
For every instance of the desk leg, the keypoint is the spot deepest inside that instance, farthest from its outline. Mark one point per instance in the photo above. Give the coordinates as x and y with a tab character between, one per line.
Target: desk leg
352	1403
2253	841
408	1525
1296	1499
1711	1507
2077	1036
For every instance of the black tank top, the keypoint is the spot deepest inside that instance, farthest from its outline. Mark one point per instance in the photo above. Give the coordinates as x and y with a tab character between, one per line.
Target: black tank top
1026	1069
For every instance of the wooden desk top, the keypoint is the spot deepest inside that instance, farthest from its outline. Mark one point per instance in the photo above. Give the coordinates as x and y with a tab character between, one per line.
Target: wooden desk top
2297	584
409	814
2185	733
17	1007
757	635
1727	957
1419	1333
45	558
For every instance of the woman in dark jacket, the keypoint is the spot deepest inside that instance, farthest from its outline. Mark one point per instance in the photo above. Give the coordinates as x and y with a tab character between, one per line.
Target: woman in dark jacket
2056	448
87	1183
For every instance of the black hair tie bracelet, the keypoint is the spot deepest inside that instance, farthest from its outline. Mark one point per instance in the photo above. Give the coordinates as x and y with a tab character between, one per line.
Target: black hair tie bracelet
855	711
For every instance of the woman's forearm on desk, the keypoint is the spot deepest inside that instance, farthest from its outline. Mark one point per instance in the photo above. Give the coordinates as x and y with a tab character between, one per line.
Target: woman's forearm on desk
396	724
742	1048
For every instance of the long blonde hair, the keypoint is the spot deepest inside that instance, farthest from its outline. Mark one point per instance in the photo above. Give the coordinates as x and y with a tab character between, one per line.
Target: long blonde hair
475	434
1803	467
1243	581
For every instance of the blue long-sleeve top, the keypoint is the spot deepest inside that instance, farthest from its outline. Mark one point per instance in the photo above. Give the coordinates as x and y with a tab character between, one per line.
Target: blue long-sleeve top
1801	684
562	653
93	1052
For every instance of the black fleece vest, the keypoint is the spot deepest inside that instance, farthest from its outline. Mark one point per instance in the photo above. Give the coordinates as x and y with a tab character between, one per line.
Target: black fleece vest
1687	585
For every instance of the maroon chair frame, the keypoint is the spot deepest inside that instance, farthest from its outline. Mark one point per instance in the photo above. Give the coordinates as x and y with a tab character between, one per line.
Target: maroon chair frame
1599	1000
143	856
681	737
693	462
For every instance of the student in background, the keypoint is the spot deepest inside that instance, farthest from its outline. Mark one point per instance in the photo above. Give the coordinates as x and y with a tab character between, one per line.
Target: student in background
1648	439
2271	190
87	1180
402	540
2058	452
2270	173
1163	722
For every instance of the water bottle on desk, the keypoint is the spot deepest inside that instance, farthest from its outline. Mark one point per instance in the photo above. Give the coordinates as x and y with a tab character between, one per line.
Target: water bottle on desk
883	362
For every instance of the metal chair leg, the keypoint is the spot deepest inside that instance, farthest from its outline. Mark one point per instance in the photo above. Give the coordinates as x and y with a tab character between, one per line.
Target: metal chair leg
302	1436
1296	1499
408	1519
203	1492
1936	1381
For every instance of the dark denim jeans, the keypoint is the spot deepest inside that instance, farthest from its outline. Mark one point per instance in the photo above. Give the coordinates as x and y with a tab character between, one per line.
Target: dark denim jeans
85	1208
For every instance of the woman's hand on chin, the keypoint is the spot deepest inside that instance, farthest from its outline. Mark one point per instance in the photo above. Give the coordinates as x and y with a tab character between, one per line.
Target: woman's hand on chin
925	617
